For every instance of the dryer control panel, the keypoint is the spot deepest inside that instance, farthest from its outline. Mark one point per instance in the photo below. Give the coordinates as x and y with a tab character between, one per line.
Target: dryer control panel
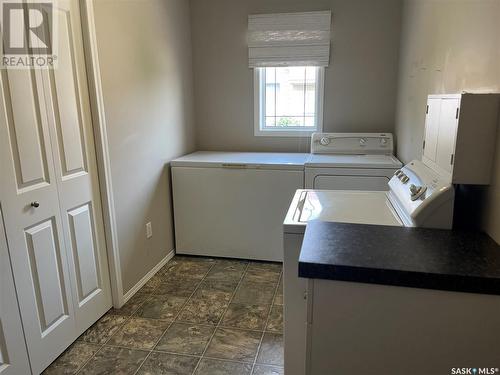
352	143
420	194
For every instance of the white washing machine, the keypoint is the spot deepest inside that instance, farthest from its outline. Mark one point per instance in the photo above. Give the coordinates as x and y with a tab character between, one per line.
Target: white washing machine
417	197
351	161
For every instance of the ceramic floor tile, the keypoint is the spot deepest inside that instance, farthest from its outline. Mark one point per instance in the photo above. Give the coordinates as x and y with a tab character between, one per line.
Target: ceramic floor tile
139	333
202	311
263	272
161	307
278	300
233	344
271	350
132	304
105	327
151	285
213	295
168	364
111	360
217	367
197	291
255	293
268	370
227	270
195	268
185	339
72	359
177	287
275	322
246	316
219	285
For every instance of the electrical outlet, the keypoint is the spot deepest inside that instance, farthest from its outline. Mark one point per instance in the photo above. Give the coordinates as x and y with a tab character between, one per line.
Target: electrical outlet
149	230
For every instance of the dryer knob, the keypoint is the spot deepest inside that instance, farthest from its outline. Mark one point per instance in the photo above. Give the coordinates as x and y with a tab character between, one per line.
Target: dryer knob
325	141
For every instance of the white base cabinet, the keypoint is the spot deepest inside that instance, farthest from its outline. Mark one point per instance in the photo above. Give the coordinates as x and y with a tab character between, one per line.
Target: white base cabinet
356	328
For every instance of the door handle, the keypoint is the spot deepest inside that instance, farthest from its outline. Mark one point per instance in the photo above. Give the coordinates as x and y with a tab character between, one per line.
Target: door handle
35	204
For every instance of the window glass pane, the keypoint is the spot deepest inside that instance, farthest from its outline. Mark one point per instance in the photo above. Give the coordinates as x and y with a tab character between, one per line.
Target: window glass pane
310	92
289	121
309	121
290	95
270	121
290	101
271	90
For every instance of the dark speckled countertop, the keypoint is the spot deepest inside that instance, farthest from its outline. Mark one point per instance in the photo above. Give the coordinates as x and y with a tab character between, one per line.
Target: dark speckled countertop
412	257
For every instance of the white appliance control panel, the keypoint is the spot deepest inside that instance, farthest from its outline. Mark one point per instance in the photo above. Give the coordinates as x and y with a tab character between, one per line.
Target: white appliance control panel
420	194
352	143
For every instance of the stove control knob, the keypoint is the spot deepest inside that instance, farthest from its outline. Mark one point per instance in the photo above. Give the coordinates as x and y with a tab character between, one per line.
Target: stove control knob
401	176
405	179
398	172
325	141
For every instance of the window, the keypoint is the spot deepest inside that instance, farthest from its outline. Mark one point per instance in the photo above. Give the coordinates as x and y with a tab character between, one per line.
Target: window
288	101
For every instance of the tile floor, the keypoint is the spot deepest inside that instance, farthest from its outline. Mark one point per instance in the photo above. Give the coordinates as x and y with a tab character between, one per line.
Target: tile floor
195	316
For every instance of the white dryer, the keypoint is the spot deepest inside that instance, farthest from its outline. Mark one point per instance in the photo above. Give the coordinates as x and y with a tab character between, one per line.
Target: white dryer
351	161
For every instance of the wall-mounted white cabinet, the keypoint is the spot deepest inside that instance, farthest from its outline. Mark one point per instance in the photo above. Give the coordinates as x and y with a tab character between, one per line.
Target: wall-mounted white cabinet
460	134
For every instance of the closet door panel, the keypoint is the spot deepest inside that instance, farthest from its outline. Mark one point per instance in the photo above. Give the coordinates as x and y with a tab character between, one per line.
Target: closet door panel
46	272
84	252
68	108
25	128
13	354
30	203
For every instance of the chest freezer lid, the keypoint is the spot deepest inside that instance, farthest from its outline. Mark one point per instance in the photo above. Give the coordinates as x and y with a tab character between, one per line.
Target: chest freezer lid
356	207
242	160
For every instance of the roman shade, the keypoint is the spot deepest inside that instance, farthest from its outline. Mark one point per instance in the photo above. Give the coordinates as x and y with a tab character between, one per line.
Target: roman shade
289	39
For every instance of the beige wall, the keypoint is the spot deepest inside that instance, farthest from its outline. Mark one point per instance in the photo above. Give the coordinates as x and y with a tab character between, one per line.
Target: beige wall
448	46
145	56
361	81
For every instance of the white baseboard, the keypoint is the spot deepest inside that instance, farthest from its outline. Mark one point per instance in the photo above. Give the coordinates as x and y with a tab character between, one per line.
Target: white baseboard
148	276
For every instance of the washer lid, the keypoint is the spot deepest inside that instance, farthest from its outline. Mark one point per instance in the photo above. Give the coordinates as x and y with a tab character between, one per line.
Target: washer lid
352	161
357	207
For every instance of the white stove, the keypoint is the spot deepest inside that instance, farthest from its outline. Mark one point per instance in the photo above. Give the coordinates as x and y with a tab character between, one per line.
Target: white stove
417	197
351	161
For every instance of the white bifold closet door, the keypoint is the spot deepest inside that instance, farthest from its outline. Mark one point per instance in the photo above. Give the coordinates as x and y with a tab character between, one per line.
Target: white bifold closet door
51	197
13	355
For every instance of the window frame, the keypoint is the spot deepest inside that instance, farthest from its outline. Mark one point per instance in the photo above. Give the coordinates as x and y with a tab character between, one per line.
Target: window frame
259	108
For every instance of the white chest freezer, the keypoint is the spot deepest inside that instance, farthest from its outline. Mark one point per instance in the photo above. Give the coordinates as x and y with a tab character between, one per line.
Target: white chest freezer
233	204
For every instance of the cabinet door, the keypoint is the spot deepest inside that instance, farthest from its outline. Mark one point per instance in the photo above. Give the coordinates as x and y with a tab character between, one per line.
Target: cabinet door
68	110
448	122
13	355
36	245
432	129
